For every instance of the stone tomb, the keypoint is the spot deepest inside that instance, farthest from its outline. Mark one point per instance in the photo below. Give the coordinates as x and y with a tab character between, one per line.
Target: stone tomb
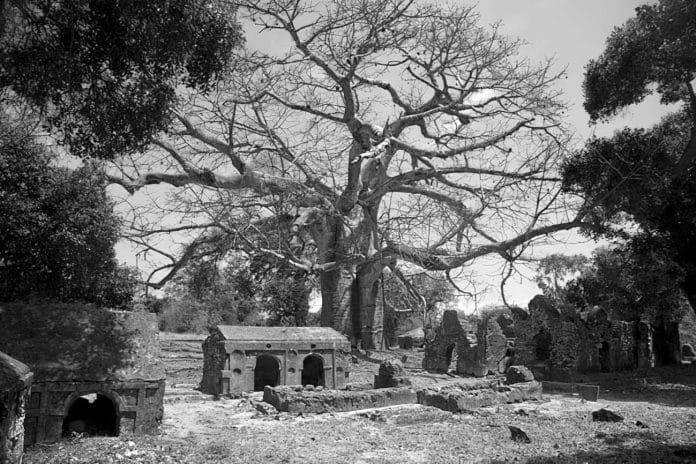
244	358
15	380
95	371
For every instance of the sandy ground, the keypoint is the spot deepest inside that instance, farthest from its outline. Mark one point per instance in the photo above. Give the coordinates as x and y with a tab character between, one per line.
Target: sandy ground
658	407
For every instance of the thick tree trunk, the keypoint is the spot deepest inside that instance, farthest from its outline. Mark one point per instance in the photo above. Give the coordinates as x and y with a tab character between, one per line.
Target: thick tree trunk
336	298
371	314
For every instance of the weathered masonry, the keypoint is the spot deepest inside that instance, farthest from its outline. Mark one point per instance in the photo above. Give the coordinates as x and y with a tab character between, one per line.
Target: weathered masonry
245	358
95	371
15	380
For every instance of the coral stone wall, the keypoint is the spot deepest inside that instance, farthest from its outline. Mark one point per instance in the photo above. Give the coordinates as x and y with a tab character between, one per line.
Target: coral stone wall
15	381
213	362
559	341
12	410
479	343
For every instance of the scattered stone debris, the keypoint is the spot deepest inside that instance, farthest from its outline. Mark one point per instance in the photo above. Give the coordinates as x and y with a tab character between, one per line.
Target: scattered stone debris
641	425
605	415
518	435
264	408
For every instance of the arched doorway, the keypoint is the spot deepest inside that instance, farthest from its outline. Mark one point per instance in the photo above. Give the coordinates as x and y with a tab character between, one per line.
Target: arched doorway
93	414
451	357
266	372
313	370
542	345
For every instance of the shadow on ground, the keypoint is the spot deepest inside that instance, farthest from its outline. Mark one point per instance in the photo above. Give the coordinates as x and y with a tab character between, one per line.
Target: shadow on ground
649	452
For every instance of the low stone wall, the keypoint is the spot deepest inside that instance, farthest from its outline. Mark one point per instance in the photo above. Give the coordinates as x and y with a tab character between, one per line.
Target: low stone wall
455	399
296	399
449	396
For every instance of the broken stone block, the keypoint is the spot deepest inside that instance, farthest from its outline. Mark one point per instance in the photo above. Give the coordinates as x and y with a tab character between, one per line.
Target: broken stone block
391	374
518	435
518	374
265	408
605	415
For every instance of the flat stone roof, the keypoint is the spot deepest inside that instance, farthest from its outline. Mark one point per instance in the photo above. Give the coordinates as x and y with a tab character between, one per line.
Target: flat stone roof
281	334
75	342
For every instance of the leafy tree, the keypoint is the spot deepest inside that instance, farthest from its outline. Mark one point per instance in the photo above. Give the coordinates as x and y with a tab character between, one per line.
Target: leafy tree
106	72
645	176
635	281
384	132
58	229
555	270
243	291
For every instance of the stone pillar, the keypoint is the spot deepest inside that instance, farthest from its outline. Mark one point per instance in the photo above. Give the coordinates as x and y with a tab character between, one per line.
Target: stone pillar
15	381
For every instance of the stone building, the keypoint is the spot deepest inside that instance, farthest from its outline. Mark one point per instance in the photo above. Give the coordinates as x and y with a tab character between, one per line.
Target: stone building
95	371
556	341
245	358
467	345
15	380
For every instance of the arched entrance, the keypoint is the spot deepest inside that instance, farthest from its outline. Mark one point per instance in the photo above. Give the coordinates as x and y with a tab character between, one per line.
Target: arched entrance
313	370
451	357
266	372
93	414
542	345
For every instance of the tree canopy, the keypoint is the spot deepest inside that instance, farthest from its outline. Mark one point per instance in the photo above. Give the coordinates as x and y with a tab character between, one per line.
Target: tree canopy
384	133
58	229
644	177
106	72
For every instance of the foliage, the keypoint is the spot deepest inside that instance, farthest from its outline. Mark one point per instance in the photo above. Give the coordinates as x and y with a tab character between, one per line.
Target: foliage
106	72
655	47
280	290
58	230
638	280
640	184
555	270
247	292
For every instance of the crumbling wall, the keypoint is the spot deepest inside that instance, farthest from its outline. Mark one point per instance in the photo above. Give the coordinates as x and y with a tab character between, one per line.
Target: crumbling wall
214	358
555	341
15	381
479	343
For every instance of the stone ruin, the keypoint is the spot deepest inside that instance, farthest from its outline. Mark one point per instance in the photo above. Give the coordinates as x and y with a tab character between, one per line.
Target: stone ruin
557	341
468	345
243	358
95	371
15	381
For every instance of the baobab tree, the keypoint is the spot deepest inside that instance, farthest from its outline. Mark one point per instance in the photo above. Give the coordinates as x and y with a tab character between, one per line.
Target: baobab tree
384	132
